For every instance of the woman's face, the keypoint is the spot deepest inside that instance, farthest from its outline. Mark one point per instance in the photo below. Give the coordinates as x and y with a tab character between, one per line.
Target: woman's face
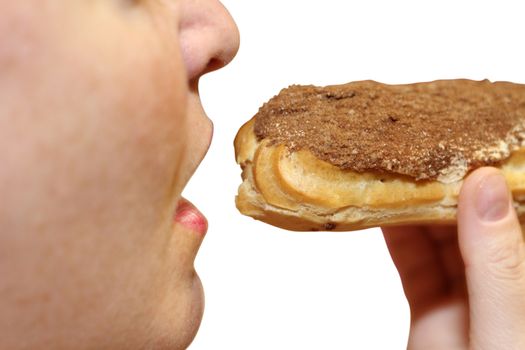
101	127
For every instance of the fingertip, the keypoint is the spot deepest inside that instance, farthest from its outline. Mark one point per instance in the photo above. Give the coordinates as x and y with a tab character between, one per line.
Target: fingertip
484	207
470	187
489	233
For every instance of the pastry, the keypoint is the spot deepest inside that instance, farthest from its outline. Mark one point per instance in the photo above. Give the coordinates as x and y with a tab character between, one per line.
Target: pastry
367	154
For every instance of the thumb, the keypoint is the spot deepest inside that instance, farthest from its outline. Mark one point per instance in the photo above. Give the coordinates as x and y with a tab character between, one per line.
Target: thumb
493	250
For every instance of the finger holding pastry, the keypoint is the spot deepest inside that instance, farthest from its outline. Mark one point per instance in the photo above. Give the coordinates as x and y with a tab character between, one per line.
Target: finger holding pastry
465	284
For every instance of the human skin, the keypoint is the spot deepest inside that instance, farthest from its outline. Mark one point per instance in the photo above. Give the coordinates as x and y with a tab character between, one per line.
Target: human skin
465	285
101	127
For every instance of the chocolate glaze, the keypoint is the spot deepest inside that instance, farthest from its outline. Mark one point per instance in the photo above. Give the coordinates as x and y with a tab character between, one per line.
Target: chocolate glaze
418	130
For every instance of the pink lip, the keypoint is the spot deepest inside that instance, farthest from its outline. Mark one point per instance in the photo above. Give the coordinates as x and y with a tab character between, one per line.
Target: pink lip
190	217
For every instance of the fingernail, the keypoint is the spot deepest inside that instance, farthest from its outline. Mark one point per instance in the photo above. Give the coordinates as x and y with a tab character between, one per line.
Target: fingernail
493	198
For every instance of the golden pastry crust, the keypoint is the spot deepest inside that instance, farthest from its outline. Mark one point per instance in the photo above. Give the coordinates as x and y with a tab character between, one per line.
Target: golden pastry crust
293	188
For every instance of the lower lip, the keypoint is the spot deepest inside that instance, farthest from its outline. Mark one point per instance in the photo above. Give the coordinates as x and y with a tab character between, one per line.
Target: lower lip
190	217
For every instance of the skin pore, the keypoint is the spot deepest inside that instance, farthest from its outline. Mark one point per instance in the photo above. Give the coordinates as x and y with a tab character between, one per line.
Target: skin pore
101	127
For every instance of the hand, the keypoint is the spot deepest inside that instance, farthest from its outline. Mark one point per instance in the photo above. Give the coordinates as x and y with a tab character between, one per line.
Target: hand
465	285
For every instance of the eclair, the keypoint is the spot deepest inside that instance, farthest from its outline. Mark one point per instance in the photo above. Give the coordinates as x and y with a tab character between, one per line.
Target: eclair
366	154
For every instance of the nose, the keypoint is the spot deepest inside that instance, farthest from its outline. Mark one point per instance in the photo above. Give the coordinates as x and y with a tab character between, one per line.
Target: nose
208	35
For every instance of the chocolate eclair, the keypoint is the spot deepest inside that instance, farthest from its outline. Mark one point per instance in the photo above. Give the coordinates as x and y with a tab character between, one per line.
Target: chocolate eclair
366	154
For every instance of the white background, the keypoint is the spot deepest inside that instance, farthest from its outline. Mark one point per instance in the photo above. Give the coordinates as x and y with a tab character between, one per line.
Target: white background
268	288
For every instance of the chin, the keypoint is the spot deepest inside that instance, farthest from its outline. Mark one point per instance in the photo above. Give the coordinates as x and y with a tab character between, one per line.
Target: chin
181	318
194	313
198	308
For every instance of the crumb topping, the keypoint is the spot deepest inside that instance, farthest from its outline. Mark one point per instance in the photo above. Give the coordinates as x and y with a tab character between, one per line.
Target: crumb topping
421	130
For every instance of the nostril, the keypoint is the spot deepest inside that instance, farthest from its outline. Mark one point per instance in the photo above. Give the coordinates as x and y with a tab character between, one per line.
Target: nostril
214	64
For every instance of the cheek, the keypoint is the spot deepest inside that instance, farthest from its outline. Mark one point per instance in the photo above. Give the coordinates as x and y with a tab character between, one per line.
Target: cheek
112	110
113	91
